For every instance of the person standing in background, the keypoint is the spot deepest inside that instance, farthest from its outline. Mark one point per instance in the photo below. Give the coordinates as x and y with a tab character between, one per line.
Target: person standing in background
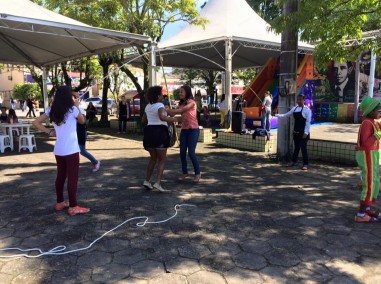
91	112
123	114
30	104
221	106
82	137
22	107
302	116
267	102
13	103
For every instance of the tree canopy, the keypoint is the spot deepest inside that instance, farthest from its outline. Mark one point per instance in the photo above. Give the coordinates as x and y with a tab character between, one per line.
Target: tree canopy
267	9
331	23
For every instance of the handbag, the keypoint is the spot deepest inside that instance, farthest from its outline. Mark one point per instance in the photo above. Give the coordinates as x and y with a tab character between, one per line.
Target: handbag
172	134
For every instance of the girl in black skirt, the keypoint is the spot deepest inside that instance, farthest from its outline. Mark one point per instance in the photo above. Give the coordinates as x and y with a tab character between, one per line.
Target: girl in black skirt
156	136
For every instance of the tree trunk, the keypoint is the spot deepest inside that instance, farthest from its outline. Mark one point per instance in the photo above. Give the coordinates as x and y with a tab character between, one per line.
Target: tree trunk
106	86
288	70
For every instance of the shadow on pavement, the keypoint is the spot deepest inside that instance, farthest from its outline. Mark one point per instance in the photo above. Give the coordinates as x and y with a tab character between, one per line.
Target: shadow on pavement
255	221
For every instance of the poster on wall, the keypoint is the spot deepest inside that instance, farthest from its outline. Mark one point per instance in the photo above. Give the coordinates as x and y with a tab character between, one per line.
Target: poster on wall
341	77
342	81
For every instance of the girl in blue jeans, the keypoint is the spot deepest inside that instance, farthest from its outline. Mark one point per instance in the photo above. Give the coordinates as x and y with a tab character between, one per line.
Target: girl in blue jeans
82	137
189	132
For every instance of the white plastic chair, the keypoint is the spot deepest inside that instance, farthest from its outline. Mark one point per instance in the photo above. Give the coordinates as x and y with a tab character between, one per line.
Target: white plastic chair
27	142
5	142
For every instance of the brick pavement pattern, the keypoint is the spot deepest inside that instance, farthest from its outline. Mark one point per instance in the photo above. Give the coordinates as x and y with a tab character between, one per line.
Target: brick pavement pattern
255	221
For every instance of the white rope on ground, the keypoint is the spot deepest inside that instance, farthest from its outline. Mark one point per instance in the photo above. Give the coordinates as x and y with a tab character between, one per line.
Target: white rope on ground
61	249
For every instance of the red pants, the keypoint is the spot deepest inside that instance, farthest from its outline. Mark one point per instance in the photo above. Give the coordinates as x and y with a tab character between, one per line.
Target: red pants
67	166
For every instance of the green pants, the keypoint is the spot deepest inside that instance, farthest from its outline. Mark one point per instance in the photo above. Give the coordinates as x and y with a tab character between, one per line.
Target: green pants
368	161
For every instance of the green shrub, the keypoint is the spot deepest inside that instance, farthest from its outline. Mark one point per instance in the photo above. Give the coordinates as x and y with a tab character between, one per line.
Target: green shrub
24	90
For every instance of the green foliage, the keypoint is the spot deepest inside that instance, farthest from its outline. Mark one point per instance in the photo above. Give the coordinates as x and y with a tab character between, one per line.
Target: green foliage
145	17
23	91
267	9
199	78
176	95
187	76
246	75
331	23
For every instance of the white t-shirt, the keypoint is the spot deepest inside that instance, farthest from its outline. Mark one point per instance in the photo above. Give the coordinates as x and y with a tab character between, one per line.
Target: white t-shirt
67	141
152	112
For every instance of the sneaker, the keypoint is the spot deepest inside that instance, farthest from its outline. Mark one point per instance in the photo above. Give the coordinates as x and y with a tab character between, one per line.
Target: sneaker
158	187
77	210
372	213
197	178
305	168
61	206
366	219
96	167
118	132
147	185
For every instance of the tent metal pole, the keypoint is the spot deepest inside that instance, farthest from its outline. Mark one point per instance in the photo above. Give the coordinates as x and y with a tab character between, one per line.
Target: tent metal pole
357	90
371	74
152	65
45	88
228	77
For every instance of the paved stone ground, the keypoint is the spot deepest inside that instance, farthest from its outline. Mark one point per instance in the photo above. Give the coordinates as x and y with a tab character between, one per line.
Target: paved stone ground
255	221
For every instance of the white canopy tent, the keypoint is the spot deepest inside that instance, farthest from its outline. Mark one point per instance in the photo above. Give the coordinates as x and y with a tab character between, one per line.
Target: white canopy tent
235	37
33	35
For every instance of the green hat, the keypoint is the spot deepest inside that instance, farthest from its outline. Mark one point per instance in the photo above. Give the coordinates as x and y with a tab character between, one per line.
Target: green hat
368	104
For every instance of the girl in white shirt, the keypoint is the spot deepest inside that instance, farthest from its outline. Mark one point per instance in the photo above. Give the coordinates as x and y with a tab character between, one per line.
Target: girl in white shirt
64	114
156	136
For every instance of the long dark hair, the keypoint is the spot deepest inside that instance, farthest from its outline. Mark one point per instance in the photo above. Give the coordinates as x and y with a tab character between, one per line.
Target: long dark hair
188	94
12	113
62	104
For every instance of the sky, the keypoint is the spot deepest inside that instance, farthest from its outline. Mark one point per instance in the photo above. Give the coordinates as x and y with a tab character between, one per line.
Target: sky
172	29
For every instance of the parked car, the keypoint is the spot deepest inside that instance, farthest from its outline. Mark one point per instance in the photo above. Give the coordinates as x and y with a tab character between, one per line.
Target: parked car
111	106
85	103
135	106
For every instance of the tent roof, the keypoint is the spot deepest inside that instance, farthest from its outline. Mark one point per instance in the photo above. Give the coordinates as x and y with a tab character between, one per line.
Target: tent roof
31	34
253	42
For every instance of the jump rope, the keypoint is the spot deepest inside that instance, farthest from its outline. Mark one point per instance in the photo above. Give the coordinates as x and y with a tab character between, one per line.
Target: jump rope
62	249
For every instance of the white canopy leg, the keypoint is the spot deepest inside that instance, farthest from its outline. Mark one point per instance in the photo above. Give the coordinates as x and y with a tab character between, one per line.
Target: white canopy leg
152	67
228	79
371	74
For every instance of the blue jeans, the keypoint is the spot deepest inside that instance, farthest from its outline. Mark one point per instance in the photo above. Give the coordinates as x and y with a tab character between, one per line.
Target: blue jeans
87	154
188	142
266	120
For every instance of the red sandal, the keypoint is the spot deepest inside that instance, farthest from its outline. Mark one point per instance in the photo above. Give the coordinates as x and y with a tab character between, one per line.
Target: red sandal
60	206
77	210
